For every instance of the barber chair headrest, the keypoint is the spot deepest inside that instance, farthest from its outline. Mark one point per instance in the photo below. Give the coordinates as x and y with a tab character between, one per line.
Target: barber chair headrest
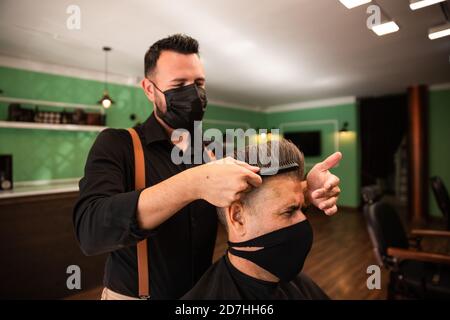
371	194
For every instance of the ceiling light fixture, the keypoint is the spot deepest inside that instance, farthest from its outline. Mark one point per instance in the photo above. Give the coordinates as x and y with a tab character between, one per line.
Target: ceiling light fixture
350	4
439	31
106	100
382	24
419	4
385	28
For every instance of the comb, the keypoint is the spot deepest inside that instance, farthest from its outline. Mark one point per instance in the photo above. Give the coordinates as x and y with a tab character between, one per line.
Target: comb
270	171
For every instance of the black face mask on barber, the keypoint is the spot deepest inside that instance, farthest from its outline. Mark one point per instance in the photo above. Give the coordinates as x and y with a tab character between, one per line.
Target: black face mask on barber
184	106
283	251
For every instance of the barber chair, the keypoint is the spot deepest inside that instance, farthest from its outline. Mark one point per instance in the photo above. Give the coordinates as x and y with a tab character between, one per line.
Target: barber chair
414	274
442	198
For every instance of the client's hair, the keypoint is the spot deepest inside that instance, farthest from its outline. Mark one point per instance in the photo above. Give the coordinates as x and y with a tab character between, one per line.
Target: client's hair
287	154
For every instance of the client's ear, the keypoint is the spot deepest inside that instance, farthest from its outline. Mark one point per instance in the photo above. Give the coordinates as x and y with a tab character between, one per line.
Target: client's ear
236	219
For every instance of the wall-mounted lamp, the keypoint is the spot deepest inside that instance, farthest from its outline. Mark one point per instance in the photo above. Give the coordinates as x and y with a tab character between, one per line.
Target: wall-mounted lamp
135	119
264	135
344	127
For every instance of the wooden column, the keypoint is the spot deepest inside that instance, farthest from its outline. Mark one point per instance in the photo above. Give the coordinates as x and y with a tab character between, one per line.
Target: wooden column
418	138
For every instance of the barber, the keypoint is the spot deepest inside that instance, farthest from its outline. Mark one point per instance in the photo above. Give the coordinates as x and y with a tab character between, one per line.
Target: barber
176	211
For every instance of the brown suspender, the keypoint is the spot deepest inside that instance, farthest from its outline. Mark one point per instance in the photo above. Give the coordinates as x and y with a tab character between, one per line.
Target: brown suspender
139	183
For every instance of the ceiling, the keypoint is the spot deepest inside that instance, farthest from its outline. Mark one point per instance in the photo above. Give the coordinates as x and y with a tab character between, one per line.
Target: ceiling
256	52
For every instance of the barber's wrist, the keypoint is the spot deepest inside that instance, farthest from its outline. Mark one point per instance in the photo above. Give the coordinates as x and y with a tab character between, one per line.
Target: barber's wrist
193	187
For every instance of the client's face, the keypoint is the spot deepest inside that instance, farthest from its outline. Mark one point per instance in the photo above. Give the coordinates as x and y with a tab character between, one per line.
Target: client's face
277	204
269	237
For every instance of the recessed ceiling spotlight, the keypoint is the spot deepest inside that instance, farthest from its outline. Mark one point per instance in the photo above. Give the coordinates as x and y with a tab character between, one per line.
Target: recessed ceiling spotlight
419	4
385	28
439	31
350	4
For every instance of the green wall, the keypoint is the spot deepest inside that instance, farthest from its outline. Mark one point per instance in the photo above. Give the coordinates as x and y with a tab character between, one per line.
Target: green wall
51	154
439	133
329	120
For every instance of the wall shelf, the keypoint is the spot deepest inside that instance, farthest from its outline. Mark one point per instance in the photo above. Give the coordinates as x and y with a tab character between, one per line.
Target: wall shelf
57	104
49	126
38	190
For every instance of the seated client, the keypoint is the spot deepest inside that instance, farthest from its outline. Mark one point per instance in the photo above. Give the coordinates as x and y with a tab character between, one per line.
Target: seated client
269	236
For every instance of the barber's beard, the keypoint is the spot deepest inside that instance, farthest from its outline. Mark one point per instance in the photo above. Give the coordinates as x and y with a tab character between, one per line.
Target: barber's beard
158	109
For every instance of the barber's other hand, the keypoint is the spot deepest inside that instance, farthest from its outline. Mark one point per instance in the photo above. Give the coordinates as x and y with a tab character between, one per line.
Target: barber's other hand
222	182
323	187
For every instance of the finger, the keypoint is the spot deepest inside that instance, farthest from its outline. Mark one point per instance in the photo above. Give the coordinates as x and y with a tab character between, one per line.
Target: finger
246	165
220	161
335	192
245	187
331	211
326	194
331	182
328	203
319	193
228	160
330	162
253	179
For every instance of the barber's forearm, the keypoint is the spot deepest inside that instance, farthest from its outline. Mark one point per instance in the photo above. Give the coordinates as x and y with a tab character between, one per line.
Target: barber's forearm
158	203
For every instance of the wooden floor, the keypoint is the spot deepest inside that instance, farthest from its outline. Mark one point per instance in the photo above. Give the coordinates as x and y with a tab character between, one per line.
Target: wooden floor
341	253
338	260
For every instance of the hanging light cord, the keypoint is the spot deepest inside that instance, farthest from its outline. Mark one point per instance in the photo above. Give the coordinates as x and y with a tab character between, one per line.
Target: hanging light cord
106	68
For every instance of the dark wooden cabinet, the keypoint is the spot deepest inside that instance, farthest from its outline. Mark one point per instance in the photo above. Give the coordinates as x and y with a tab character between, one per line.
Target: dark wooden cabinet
37	244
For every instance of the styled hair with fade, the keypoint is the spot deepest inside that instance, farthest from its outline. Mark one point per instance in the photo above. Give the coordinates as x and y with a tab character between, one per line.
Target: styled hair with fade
287	153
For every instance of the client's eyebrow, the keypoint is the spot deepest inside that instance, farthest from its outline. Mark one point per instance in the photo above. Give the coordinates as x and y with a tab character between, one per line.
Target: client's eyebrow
291	208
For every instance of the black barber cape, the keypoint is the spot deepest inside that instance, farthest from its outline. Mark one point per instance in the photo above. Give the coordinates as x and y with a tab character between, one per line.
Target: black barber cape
222	281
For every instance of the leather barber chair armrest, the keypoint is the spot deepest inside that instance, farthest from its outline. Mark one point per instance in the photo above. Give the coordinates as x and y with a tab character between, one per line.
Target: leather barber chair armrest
418	255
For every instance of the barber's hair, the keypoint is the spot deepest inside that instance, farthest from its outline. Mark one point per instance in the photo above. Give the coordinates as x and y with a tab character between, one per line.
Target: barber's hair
178	42
287	153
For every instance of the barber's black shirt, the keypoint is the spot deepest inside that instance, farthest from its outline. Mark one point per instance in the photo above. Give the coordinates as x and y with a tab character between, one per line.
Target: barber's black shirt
223	281
180	249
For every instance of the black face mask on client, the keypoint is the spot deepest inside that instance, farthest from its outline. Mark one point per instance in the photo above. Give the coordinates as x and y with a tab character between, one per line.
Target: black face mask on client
283	251
184	106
